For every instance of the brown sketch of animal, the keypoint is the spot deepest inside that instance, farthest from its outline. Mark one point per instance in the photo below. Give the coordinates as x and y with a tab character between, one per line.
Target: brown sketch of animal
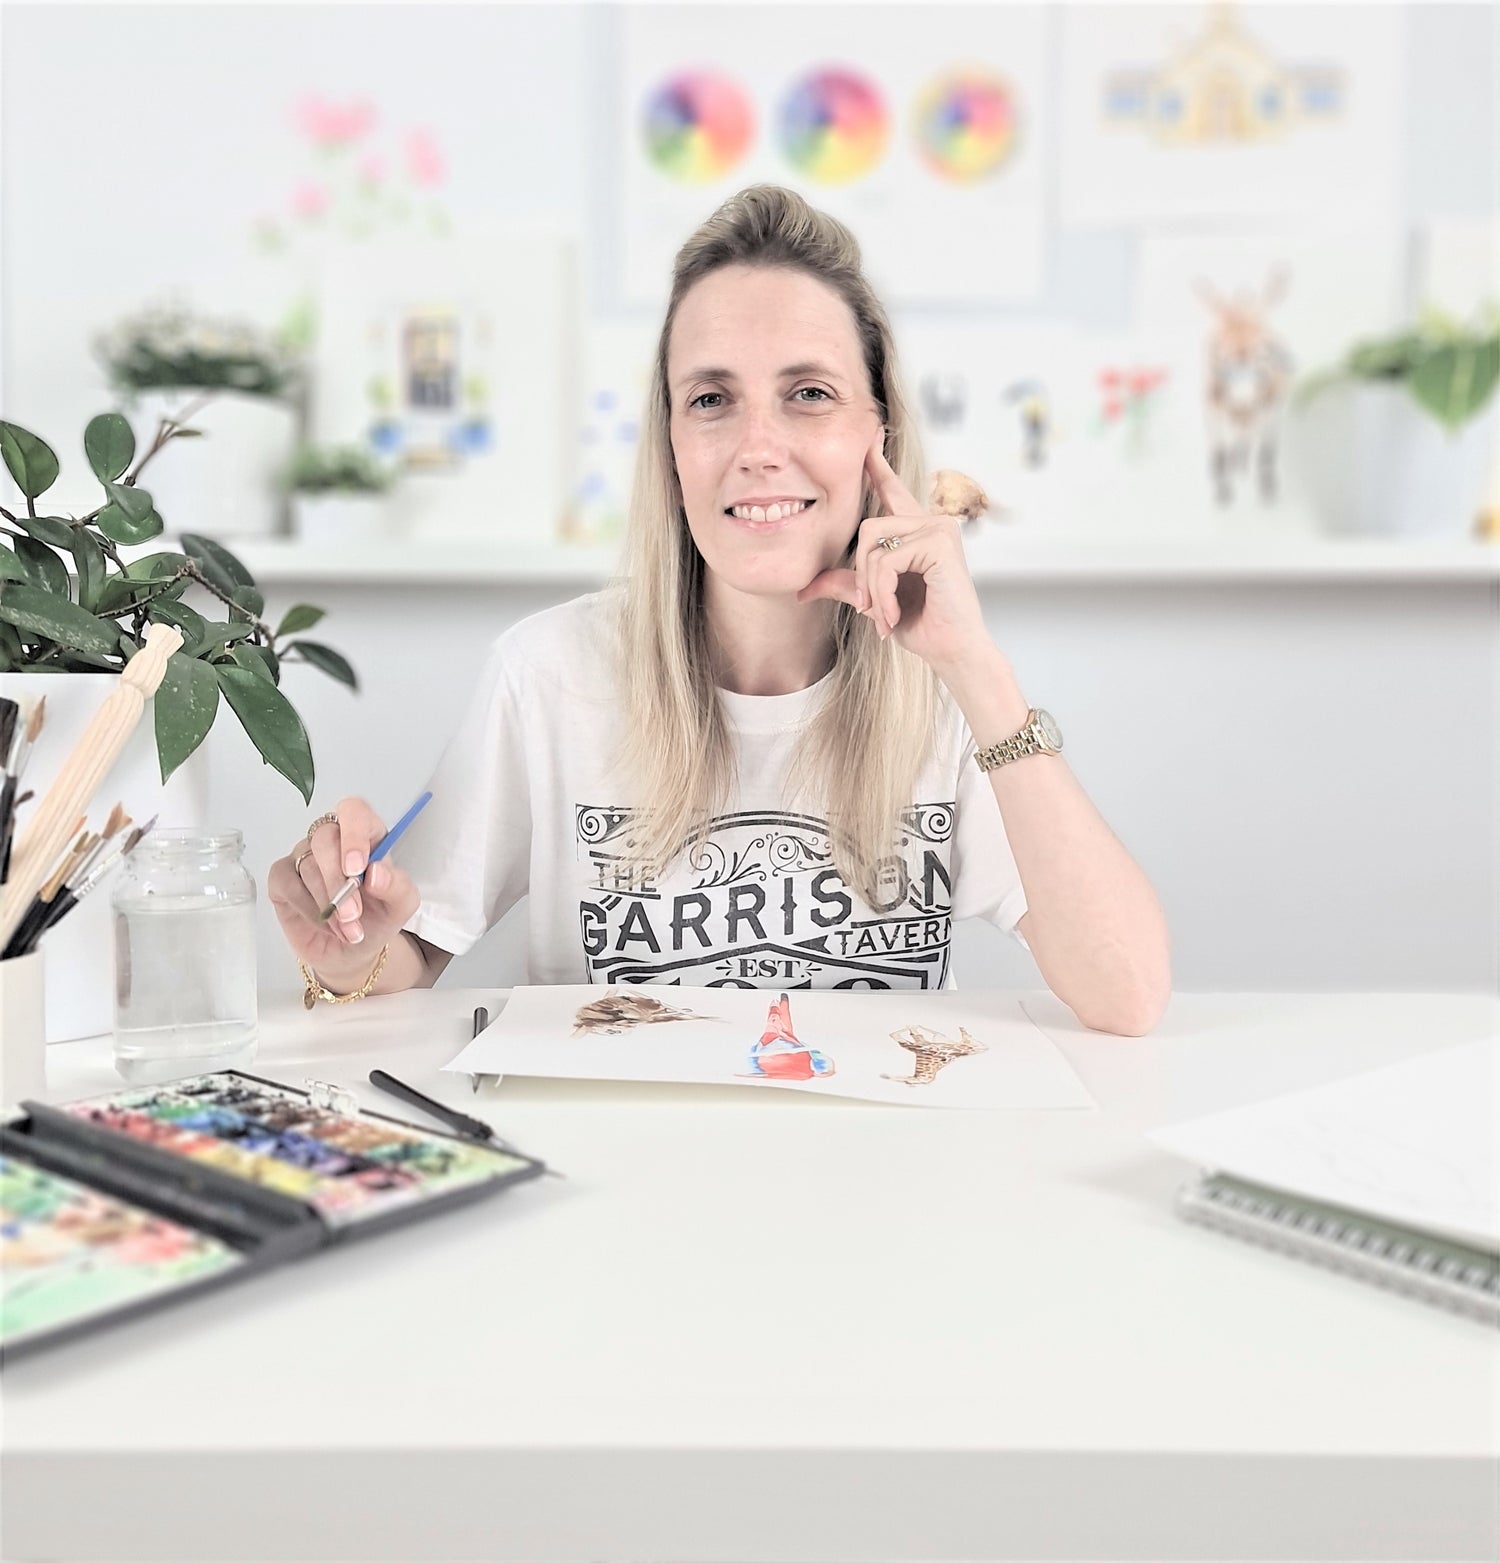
933	1052
618	1011
1249	372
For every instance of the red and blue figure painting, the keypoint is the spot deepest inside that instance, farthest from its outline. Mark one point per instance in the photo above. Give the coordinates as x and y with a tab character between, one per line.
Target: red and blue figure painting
779	1055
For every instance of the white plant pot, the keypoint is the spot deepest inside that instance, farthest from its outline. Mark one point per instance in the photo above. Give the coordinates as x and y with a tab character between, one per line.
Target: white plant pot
80	950
340	520
1375	462
229	483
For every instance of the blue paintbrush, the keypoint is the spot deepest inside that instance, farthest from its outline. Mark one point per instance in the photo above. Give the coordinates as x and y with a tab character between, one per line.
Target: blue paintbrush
387	841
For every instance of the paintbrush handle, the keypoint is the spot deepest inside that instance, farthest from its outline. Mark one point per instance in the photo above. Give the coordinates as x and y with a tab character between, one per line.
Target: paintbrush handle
78	780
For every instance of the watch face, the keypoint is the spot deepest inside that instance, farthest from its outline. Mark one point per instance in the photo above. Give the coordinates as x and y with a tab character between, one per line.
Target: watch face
1051	732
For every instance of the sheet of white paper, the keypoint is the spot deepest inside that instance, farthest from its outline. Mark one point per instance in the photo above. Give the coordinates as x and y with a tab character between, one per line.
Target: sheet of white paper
1412	1143
867	1045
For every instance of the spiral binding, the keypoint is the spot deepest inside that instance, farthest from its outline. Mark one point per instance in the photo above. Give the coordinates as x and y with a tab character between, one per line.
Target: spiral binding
1421	1265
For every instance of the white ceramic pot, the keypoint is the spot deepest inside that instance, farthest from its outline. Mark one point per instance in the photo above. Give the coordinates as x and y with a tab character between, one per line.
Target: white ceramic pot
340	520
80	950
229	483
23	1037
1375	462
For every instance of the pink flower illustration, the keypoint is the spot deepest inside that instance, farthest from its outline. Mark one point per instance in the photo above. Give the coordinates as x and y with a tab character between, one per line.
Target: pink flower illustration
332	124
310	200
423	158
371	170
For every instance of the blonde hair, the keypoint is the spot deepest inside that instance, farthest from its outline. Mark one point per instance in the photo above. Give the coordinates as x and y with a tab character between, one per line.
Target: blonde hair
862	751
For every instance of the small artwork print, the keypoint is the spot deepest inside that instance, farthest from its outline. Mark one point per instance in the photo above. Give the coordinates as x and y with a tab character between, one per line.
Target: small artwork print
620	1010
931	1052
903	1047
780	1056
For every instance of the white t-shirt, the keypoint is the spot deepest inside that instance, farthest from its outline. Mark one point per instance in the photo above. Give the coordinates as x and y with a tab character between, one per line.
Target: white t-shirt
524	804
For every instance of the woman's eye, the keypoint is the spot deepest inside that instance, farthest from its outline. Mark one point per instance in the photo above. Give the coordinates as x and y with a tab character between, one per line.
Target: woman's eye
702	398
817	390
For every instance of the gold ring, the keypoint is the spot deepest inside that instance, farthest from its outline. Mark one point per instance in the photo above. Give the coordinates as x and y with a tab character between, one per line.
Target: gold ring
306	852
892	543
329	818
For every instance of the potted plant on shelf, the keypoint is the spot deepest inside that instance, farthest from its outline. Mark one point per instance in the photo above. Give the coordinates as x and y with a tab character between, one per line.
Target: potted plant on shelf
338	495
238	386
73	606
1400	438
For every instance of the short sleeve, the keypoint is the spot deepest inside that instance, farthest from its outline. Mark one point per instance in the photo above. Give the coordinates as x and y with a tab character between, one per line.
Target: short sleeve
469	851
986	882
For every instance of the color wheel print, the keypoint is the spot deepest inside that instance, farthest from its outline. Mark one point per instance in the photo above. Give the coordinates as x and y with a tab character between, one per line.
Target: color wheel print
966	125
834	126
698	126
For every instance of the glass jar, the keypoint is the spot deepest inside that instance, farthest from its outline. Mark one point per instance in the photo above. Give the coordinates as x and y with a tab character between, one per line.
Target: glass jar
184	917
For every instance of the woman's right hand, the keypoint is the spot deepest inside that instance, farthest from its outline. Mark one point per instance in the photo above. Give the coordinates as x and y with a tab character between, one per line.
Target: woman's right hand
301	884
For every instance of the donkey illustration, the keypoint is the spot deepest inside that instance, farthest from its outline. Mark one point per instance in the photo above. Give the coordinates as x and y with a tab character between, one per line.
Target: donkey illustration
1249	375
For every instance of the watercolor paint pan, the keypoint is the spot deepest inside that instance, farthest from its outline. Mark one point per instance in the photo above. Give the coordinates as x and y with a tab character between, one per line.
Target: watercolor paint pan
199	1183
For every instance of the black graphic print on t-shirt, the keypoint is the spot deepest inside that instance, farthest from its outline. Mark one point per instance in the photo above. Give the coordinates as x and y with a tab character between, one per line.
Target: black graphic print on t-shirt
761	905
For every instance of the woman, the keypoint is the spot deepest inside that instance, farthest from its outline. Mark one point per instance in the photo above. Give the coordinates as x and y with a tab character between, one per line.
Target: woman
752	760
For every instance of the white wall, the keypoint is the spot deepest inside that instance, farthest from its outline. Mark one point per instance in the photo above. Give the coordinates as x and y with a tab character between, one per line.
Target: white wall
1308	772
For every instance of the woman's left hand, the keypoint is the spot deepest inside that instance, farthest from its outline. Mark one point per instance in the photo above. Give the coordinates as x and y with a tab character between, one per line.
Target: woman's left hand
919	590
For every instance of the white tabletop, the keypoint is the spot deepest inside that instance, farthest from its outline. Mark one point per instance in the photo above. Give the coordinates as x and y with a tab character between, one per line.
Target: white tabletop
762	1326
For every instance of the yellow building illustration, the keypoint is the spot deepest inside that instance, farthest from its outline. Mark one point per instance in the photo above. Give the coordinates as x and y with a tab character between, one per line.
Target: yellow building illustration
1224	86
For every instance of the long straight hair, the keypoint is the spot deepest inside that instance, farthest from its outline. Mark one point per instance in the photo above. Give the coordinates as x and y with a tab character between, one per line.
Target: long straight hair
862	751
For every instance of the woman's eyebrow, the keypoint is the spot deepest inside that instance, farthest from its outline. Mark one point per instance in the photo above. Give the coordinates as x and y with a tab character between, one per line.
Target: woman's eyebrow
790	372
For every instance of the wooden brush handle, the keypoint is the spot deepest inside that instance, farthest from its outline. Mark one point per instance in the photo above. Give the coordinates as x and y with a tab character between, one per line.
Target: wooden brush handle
73	788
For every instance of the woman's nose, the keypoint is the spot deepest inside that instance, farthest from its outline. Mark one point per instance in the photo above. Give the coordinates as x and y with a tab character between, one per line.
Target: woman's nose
763	438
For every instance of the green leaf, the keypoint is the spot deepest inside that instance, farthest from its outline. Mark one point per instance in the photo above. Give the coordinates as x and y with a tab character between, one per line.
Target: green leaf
186	703
28	460
89	557
162	610
48	529
298	617
87	662
1455	381
118	527
109	445
248	598
267	716
216	634
326	658
250	657
154	567
11	568
43	568
10	642
219	565
134	502
43	613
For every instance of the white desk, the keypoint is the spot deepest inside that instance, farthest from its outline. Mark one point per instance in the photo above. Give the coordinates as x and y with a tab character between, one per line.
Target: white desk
770	1326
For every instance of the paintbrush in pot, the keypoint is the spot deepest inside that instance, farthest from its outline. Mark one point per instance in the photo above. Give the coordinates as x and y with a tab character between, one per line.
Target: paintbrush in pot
99	865
16	753
35	918
75	784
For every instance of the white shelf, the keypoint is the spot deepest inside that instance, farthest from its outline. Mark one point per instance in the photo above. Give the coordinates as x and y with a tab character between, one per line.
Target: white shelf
995	558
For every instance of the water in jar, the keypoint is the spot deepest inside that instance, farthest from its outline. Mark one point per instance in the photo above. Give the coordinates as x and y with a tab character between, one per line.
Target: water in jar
185	986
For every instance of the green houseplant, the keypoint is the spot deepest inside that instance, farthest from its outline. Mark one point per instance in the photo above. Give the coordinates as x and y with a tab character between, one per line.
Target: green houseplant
69	602
1393	439
338	494
242	386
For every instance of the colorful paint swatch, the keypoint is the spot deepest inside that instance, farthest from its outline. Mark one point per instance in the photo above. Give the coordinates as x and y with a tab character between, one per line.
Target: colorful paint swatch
698	126
68	1252
834	126
347	1168
965	125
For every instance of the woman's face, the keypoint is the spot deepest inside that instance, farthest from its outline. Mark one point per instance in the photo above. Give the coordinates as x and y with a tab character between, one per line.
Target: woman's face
771	406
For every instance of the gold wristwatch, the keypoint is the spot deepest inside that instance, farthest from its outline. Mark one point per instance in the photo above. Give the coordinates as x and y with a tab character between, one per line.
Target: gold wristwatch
1040	735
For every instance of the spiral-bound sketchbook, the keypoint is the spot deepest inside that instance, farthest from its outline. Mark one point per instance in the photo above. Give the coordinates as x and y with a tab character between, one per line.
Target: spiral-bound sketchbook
1389	1175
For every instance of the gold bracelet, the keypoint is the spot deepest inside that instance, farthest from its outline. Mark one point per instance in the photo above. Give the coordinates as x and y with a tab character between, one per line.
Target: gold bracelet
316	990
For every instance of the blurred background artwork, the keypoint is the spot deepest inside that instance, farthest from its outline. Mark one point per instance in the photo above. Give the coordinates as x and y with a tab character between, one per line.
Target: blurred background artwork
1206	297
928	140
